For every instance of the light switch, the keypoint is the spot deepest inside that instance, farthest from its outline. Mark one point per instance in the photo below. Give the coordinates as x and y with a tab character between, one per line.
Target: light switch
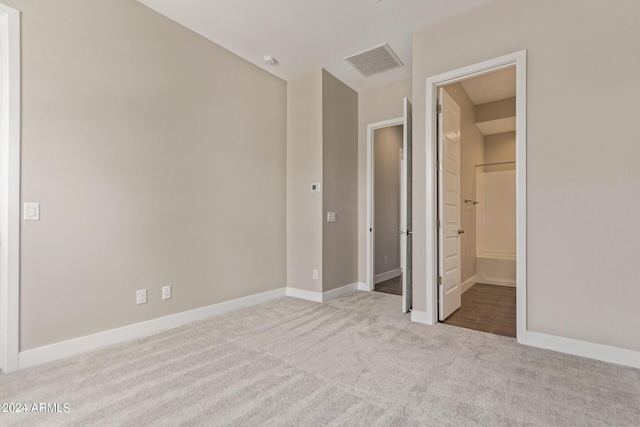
331	217
32	211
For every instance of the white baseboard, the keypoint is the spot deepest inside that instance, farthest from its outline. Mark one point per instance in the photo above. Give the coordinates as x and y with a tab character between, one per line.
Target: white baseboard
468	283
325	296
506	283
337	293
378	278
49	353
362	286
420	317
605	353
302	294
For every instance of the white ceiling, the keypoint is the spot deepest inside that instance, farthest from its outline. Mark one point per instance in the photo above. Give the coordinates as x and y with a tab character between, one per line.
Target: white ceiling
491	87
305	35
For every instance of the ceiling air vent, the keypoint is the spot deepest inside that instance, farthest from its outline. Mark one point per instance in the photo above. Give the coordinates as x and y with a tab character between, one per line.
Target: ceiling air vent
374	61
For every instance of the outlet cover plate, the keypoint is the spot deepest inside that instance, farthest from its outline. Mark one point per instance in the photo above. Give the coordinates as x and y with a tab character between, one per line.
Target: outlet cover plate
141	296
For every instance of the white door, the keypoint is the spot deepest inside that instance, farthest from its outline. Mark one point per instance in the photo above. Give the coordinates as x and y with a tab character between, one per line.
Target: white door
448	206
405	217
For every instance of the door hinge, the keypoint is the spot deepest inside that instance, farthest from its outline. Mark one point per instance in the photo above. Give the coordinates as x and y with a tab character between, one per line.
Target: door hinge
439	280
437	223
438	109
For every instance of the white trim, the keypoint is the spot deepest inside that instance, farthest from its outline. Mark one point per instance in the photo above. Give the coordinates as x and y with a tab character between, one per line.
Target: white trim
302	294
517	59
387	275
620	356
420	317
521	194
370	264
326	296
75	346
9	188
505	283
363	286
337	293
464	287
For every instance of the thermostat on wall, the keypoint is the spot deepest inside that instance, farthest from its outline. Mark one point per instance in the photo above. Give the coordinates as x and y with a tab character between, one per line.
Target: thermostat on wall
315	187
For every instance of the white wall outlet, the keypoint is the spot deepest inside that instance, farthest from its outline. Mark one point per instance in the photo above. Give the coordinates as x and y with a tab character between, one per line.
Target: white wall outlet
385	259
315	273
331	217
166	292
32	211
315	187
141	296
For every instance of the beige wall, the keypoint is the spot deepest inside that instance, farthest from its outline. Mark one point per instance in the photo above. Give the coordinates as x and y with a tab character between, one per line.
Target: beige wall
497	195
340	183
387	145
581	157
500	148
471	154
496	213
304	167
158	159
375	105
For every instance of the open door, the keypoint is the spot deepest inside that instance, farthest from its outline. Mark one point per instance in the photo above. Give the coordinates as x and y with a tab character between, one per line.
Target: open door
449	294
405	217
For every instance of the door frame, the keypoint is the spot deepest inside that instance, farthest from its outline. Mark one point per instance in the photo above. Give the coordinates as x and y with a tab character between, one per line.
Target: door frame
370	264
9	188
519	60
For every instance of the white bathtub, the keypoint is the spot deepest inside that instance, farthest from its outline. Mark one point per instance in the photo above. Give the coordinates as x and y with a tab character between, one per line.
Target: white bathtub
496	268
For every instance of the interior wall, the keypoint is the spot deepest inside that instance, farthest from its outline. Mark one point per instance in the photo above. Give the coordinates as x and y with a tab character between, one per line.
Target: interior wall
376	105
304	167
500	148
340	183
387	145
471	154
496	188
496	213
156	157
581	276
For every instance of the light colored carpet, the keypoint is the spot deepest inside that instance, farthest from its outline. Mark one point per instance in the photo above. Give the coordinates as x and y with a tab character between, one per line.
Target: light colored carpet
354	361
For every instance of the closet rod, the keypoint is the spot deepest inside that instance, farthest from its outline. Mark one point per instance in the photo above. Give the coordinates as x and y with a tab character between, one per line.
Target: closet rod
495	164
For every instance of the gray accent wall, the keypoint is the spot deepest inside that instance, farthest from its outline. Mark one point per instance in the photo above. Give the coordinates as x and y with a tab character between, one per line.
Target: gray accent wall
340	183
582	154
158	158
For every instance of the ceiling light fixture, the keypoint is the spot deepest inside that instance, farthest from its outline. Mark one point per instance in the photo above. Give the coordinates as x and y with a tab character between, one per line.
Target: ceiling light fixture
269	60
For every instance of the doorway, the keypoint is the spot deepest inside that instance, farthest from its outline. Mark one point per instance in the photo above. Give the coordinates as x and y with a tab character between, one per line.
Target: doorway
389	207
477	236
387	185
456	257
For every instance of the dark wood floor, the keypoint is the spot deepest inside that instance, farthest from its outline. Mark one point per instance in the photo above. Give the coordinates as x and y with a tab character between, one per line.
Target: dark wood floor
487	308
391	286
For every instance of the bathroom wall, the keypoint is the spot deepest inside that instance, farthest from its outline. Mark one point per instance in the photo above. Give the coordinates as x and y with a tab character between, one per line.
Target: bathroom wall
496	188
